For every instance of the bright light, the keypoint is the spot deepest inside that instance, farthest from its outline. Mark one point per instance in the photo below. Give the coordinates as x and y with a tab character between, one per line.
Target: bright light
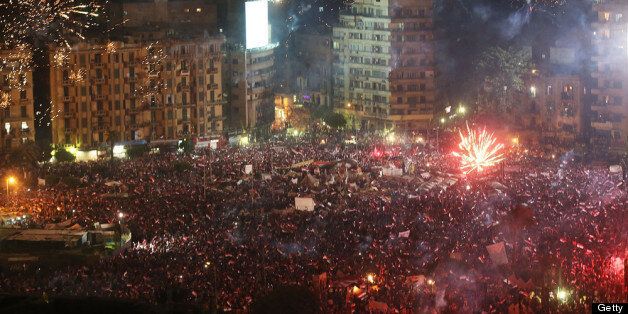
120	215
370	278
515	140
468	187
462	110
430	282
533	91
348	105
562	294
295	132
119	151
257	32
442	120
244	140
391	138
478	150
11	180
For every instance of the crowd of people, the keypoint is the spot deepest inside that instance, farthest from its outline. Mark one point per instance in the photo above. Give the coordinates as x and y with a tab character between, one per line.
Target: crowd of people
207	231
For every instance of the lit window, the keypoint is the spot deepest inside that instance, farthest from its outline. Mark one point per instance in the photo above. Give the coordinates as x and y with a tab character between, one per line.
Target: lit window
7	126
199	10
24	125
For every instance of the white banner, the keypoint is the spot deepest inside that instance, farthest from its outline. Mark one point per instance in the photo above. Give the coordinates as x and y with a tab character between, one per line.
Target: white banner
615	169
304	203
248	169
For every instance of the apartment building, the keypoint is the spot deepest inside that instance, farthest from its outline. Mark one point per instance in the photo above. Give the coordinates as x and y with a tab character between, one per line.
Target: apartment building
252	83
609	119
16	98
103	93
384	70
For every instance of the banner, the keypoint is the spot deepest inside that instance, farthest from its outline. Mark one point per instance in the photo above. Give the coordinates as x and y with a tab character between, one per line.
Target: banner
248	169
615	169
304	203
302	164
497	252
404	234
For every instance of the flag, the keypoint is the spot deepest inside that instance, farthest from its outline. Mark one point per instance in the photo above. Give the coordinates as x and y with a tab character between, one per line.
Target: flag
497	252
404	234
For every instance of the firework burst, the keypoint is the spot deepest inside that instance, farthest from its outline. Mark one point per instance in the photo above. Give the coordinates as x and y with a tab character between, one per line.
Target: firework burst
16	64
5	99
57	21
478	151
77	76
152	62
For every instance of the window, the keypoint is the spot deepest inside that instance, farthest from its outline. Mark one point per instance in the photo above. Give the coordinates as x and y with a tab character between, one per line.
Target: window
116	73
84	106
24	126
23	112
83	91
117	105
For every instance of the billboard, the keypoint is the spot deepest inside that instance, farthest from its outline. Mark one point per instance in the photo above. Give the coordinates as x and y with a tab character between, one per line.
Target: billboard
257	29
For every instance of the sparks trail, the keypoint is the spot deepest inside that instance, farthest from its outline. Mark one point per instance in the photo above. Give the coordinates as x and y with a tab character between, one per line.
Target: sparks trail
478	151
56	21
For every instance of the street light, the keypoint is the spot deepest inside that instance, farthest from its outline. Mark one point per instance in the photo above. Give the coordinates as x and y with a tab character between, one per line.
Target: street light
10	181
442	120
462	110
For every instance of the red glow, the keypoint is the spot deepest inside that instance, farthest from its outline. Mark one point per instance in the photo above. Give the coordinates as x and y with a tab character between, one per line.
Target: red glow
478	151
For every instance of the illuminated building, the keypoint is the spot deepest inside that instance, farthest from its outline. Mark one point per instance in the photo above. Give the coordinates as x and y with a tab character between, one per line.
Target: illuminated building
384	64
164	90
609	119
16	98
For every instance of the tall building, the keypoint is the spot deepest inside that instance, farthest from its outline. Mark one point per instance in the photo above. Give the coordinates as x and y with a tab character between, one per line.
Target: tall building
384	72
252	85
135	90
250	73
553	109
16	98
609	119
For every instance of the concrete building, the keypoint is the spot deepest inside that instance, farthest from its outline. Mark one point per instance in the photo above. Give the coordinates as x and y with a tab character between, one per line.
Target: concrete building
610	58
251	75
16	98
135	90
384	74
190	17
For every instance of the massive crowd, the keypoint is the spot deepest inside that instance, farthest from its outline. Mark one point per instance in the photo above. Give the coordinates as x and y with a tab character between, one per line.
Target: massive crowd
222	237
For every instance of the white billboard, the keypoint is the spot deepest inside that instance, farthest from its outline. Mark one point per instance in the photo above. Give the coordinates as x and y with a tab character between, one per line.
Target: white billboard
257	29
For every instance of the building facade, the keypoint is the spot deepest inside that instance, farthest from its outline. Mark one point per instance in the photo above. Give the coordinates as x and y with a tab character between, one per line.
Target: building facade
16	98
384	73
124	91
251	75
609	110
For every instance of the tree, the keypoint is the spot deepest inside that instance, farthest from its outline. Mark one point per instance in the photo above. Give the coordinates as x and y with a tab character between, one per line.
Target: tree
287	300
501	72
335	120
136	151
62	155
